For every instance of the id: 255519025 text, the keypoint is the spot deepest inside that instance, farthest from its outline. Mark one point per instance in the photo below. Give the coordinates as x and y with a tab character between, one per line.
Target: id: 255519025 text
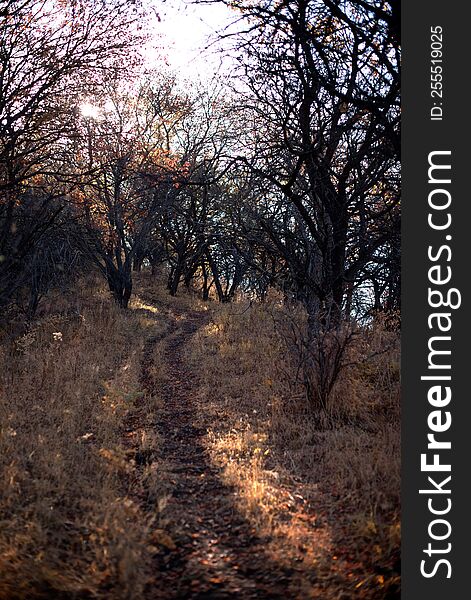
436	72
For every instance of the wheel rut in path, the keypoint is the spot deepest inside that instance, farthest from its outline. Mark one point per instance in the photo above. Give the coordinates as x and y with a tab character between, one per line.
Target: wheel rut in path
218	553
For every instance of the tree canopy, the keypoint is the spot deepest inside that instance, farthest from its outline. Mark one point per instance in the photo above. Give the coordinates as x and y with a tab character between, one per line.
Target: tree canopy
284	174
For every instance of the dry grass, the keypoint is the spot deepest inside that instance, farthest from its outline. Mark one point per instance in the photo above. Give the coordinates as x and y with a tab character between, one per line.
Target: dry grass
80	513
73	522
328	499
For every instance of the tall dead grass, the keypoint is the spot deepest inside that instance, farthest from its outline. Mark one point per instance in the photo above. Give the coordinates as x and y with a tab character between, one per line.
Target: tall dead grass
270	444
71	525
81	513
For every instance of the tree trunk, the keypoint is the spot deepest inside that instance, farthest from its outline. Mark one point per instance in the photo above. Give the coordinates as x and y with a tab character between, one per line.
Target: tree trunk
215	273
120	285
137	263
174	280
205	291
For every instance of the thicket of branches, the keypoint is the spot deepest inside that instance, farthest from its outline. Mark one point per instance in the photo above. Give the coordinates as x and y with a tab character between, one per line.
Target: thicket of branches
284	176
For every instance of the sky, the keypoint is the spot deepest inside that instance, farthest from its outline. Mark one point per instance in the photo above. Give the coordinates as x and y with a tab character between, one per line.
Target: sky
183	33
179	40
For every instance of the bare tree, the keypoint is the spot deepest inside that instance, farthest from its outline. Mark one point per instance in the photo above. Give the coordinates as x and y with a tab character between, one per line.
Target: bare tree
51	55
129	173
320	83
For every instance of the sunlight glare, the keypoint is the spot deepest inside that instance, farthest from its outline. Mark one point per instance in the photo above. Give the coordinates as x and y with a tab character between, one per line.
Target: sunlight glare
89	110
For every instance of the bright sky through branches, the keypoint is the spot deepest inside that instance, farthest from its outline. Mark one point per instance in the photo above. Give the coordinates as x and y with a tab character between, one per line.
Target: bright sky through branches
182	36
89	110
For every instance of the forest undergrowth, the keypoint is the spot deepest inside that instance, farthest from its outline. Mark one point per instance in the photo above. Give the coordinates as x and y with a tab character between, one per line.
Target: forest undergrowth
328	498
84	507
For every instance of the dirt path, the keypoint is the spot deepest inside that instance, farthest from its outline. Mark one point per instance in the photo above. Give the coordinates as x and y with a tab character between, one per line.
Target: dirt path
216	552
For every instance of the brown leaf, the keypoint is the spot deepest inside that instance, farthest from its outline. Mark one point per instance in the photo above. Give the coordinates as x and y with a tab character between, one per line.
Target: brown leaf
163	539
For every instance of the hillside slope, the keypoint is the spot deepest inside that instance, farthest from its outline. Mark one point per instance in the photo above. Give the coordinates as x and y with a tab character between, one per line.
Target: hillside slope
166	452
